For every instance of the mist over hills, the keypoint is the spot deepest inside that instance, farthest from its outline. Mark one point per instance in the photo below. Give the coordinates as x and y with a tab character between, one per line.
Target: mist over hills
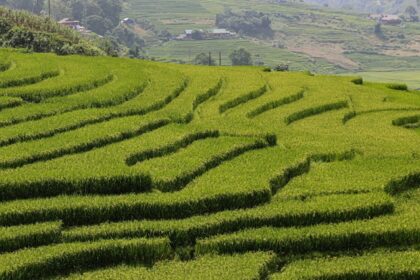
369	6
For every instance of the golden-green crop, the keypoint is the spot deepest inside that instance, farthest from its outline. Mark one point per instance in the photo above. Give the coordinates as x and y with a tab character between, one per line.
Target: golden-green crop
212	160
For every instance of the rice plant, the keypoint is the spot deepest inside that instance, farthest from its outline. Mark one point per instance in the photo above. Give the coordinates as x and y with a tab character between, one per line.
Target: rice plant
118	168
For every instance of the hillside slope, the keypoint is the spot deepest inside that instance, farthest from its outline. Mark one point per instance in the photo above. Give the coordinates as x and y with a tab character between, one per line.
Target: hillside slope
20	29
126	169
305	37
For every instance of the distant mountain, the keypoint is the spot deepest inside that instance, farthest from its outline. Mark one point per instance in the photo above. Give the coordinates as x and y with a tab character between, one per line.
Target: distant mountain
369	6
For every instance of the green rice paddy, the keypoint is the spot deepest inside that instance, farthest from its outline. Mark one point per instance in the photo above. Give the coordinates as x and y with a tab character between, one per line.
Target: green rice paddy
114	168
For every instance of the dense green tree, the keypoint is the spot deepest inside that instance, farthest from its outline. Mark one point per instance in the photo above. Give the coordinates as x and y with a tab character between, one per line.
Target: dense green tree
34	6
92	8
378	30
165	35
60	9
134	52
249	23
126	36
5	26
197	35
111	9
78	9
110	46
412	13
98	24
204	59
241	57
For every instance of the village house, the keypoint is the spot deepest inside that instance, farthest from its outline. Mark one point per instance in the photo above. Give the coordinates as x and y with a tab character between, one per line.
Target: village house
128	21
221	34
386	19
75	25
376	17
212	34
391	19
188	34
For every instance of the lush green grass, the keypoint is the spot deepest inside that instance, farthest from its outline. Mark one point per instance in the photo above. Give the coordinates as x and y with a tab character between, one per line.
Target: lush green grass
401	229
18	237
35	263
411	78
384	265
247	266
210	160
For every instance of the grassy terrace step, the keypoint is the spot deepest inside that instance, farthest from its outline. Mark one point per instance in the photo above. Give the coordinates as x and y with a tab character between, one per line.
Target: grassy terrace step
238	89
402	228
242	99
198	158
249	266
202	88
114	180
362	174
275	104
211	192
40	91
171	148
149	155
157	94
413	126
79	141
222	188
384	99
407	121
29	71
279	90
315	111
10	102
5	64
125	90
29	80
402	87
50	185
117	88
379	266
316	95
59	259
352	115
278	213
111	164
406	183
18	237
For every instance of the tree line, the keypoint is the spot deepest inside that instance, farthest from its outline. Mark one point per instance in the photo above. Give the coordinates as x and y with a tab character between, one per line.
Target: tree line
249	23
237	57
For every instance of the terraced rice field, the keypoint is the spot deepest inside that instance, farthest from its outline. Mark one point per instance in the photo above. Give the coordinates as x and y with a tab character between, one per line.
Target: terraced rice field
125	169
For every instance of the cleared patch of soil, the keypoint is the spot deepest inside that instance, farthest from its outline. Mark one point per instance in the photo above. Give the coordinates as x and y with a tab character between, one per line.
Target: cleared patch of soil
330	52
